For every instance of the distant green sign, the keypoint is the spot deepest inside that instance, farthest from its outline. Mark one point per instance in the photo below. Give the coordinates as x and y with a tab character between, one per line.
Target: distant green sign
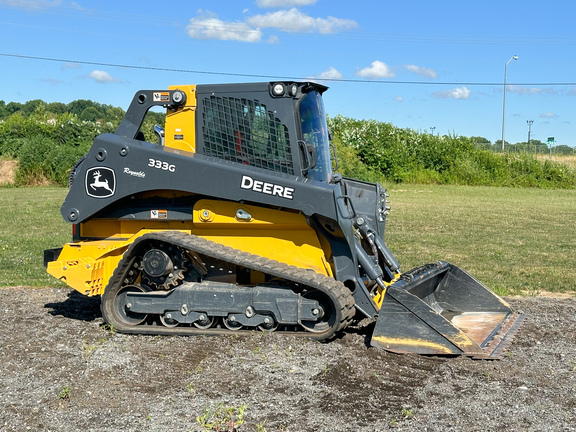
551	139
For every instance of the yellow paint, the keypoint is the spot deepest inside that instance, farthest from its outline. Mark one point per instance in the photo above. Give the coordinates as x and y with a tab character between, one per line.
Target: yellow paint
421	345
180	128
379	297
462	341
87	266
122	229
279	235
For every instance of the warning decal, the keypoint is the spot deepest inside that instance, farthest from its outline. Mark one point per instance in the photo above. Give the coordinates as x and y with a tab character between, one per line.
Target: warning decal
158	214
161	97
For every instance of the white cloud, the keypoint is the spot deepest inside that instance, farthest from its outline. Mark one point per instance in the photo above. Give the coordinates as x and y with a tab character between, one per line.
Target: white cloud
330	74
548	115
210	27
457	93
102	76
295	21
529	90
206	25
399	99
422	71
283	3
376	70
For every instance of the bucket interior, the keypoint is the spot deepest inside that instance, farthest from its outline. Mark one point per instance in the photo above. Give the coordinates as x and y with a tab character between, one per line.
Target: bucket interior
441	309
462	300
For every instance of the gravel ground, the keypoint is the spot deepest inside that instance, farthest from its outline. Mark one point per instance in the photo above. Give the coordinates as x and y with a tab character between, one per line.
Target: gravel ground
62	370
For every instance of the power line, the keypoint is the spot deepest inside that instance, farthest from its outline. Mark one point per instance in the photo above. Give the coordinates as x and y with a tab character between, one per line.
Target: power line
279	77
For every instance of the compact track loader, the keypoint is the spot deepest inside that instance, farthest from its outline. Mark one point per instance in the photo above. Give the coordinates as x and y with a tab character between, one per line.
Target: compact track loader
234	221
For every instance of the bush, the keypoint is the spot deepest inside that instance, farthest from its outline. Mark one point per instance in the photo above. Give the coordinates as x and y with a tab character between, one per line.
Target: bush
47	144
10	147
33	157
558	175
405	155
90	114
350	164
43	160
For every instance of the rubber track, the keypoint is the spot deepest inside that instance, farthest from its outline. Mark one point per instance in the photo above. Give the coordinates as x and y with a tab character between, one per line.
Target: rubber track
192	243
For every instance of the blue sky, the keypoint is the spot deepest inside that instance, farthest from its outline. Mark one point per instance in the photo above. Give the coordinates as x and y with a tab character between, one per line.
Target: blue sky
416	64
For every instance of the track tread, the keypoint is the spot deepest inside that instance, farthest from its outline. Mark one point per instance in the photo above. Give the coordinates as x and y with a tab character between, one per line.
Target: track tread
338	293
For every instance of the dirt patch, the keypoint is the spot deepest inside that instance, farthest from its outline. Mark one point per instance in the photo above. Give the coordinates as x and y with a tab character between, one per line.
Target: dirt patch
8	171
63	370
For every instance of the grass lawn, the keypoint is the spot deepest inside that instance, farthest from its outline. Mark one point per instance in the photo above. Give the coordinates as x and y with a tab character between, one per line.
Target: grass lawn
30	222
512	240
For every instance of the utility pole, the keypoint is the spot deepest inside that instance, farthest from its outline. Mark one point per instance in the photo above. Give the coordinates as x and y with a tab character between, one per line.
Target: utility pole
515	57
529	130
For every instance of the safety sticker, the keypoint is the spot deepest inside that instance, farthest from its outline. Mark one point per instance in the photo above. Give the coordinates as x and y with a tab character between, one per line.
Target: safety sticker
161	97
158	214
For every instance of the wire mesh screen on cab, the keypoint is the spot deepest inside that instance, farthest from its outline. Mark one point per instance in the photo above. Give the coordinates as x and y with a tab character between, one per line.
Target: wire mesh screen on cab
244	131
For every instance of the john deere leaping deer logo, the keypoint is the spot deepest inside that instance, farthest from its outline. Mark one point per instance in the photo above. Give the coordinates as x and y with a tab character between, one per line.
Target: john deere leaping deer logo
100	182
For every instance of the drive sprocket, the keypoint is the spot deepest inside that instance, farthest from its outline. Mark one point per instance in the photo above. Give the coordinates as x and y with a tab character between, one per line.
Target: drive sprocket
164	266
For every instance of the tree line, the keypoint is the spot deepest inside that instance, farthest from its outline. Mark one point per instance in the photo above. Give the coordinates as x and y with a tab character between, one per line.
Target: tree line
48	138
83	109
534	146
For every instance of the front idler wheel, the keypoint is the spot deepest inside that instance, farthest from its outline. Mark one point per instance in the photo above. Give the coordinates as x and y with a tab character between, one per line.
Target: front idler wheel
121	306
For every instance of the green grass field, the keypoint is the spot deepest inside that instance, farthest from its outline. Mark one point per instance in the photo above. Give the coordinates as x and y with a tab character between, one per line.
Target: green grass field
30	222
513	240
